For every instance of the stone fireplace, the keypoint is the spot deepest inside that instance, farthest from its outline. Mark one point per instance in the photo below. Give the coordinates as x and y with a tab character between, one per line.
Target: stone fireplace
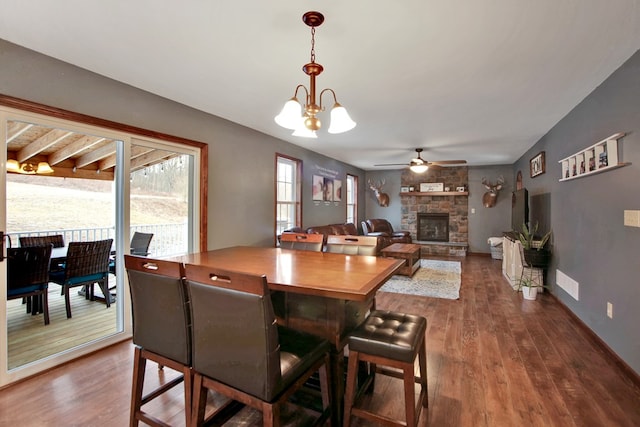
433	227
446	212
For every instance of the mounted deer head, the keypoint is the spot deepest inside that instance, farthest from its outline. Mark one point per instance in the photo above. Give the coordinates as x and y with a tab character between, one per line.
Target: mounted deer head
490	197
383	198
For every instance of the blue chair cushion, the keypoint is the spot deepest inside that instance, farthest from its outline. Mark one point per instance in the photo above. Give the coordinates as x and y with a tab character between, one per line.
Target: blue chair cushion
26	289
58	277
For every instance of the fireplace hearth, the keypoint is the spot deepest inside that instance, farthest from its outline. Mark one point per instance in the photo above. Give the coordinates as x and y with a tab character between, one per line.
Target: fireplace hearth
433	227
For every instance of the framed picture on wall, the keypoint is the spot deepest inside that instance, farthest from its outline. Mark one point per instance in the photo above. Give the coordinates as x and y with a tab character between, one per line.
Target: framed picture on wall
328	190
536	165
337	190
318	188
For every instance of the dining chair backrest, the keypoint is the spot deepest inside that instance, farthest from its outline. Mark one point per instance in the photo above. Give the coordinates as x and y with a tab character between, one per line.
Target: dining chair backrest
88	258
140	243
235	336
352	245
160	307
57	240
27	269
302	241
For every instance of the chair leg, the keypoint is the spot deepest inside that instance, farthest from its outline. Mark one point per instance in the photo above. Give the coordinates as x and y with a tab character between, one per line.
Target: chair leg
67	300
350	387
199	401
139	367
422	358
104	287
45	306
187	373
409	396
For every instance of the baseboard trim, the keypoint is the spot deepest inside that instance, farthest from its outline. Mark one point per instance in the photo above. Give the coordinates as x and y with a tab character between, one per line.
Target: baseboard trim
632	375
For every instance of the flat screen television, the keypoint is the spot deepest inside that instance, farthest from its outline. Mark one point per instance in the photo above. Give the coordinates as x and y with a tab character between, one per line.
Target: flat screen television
519	209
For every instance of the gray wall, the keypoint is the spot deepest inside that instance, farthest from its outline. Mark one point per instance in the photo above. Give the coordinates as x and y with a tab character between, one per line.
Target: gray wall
241	199
489	222
392	188
590	243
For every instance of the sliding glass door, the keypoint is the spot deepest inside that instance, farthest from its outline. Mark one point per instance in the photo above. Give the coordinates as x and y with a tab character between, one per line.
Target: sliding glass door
101	184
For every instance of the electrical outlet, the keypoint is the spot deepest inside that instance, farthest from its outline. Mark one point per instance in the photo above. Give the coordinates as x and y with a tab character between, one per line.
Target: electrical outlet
609	310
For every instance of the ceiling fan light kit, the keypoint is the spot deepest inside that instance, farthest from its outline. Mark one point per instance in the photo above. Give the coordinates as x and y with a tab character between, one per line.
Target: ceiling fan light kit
306	124
419	165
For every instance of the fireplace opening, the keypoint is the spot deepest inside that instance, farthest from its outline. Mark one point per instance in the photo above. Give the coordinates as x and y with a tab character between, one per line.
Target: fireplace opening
433	227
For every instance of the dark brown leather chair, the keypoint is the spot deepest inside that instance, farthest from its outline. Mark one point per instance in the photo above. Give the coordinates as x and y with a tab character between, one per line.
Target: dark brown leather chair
302	241
382	227
240	351
161	330
353	245
28	277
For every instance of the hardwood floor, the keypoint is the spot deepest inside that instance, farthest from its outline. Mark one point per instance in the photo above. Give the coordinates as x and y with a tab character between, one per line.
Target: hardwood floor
493	360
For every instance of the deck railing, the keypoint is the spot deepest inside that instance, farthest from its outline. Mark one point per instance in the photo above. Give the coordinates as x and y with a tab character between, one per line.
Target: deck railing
168	239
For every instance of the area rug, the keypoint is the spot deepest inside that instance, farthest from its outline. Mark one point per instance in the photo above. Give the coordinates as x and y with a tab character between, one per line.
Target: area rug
434	278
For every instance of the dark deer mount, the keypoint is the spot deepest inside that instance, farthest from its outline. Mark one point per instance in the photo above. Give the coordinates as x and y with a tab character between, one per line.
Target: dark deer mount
383	198
490	197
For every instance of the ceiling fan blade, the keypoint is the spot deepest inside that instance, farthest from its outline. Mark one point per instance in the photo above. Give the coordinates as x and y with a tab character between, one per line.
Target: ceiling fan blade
392	164
448	162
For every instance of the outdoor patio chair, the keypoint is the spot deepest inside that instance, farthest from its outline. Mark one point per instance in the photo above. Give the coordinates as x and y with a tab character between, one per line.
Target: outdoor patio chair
87	263
139	246
57	240
28	277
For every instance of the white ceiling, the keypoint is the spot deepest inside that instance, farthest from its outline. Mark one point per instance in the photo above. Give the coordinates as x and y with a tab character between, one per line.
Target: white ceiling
478	80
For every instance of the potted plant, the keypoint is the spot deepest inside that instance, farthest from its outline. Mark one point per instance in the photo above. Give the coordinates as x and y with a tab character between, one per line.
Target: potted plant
535	250
529	287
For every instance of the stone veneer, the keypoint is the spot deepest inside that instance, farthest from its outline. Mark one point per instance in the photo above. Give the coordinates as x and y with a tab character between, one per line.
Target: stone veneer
456	206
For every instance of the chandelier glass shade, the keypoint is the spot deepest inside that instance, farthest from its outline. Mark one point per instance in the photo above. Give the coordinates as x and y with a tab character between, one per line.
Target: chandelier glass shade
301	118
28	168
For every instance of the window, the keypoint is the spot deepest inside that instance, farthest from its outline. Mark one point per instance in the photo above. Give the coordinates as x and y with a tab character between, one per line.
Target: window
288	194
352	198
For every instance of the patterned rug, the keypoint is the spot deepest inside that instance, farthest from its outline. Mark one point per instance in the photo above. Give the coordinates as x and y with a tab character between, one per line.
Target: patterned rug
434	278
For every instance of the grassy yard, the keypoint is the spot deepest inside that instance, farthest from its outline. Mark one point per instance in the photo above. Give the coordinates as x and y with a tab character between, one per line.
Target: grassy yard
46	203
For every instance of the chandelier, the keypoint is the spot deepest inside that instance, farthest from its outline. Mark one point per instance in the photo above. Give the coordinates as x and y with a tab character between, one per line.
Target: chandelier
28	168
301	118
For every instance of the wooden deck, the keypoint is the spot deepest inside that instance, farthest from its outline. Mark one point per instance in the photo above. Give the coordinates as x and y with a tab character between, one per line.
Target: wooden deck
493	360
29	339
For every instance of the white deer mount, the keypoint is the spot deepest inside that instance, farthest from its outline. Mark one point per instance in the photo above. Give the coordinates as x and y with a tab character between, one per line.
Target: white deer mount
490	197
383	198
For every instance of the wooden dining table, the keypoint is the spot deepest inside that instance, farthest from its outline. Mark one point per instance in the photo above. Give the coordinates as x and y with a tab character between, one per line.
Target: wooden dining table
325	294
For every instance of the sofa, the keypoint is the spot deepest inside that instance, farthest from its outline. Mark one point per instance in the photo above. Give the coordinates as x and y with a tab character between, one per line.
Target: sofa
382	228
346	229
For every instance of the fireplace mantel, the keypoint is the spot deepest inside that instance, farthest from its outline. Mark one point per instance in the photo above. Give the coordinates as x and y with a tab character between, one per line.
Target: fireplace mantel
435	193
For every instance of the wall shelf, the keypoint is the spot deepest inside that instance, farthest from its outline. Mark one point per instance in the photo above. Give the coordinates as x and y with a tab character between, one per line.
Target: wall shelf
599	157
435	193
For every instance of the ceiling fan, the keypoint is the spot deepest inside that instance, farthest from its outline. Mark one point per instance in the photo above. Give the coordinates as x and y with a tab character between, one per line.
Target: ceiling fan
419	165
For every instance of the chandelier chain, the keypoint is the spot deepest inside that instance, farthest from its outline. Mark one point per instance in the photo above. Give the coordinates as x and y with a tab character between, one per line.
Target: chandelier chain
313	44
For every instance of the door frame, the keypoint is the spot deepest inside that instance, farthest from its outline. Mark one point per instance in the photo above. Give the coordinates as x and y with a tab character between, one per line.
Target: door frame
10	106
